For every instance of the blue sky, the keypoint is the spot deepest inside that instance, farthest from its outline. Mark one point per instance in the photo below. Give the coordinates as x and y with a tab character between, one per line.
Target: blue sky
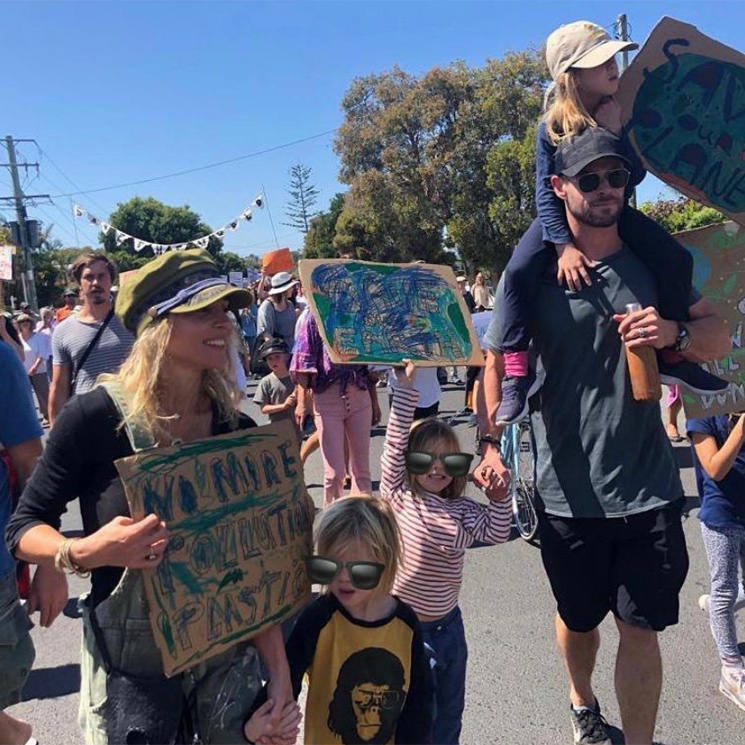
120	91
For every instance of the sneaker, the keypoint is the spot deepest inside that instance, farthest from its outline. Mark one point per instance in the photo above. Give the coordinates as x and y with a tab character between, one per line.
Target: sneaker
590	727
690	375
516	392
732	685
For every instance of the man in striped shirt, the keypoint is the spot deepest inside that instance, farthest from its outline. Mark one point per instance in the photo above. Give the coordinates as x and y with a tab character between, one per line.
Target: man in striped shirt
94	273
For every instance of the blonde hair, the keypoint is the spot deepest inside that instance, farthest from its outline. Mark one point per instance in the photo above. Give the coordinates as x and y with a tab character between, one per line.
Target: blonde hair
425	436
366	520
566	115
141	376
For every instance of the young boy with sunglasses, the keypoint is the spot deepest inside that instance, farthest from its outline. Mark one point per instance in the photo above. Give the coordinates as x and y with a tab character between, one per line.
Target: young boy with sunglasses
368	673
424	477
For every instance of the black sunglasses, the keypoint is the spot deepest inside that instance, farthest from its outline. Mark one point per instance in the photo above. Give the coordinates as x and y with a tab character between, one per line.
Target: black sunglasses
455	464
364	575
617	179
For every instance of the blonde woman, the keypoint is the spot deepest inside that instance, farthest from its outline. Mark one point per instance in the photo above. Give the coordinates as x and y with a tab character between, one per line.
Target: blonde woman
178	382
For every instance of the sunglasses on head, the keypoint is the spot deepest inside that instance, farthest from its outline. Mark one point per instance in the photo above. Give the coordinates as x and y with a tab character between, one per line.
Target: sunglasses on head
364	575
455	464
589	182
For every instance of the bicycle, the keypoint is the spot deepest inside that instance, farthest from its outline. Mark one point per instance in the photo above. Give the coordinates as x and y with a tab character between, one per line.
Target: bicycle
518	455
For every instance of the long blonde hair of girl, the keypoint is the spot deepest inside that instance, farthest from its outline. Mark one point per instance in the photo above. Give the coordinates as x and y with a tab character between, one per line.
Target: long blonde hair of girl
141	376
566	115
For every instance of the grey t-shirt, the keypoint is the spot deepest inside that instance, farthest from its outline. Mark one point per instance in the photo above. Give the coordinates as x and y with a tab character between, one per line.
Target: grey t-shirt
275	390
72	337
277	323
600	453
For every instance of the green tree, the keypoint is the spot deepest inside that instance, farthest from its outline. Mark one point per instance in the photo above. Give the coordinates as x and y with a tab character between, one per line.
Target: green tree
429	142
303	198
155	222
319	240
680	213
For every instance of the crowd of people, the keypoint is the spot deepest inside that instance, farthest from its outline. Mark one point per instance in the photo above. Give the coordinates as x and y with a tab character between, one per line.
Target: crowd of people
383	643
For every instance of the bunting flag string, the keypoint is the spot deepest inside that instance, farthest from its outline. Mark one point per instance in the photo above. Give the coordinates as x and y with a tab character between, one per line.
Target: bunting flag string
158	248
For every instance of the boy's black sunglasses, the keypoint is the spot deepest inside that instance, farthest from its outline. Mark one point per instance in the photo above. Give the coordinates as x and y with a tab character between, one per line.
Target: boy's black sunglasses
589	182
455	464
364	575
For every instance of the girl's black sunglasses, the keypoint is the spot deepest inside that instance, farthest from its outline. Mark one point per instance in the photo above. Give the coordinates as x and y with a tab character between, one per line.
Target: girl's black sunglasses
455	464
364	575
589	182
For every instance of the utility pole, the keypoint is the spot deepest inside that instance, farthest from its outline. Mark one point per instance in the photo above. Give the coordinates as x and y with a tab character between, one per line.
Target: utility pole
19	199
622	32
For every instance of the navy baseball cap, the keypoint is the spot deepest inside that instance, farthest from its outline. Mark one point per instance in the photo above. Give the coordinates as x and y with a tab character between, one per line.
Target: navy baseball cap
576	153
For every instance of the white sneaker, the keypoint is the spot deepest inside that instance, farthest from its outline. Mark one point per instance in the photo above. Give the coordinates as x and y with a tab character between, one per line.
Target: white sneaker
732	685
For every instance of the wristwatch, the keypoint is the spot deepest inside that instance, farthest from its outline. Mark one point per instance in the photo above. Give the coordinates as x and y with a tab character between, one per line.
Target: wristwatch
490	440
683	339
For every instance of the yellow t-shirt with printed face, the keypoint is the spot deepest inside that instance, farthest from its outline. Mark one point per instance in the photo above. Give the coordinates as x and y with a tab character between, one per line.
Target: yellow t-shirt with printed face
368	682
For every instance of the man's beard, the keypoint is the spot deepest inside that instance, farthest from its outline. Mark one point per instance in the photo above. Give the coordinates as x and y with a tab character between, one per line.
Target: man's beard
97	298
584	213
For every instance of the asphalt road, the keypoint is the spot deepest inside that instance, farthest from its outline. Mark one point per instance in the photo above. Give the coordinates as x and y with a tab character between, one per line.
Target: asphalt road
517	691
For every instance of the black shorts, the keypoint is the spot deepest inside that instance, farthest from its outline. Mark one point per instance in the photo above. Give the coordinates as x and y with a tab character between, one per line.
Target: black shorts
634	566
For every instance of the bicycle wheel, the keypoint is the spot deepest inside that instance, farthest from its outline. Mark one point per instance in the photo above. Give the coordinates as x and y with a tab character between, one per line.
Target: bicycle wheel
523	484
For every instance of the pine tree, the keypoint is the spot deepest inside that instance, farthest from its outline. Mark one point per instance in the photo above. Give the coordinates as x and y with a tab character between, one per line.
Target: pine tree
303	197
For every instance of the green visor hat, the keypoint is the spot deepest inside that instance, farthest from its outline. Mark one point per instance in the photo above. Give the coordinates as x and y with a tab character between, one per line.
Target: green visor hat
176	282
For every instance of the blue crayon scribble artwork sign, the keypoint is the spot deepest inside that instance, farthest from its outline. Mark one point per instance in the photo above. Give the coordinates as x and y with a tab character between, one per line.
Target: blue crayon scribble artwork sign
719	274
240	521
683	104
372	313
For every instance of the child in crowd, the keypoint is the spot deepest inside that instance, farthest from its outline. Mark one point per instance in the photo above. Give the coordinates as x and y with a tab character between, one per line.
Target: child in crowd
368	673
276	391
719	460
424	476
581	60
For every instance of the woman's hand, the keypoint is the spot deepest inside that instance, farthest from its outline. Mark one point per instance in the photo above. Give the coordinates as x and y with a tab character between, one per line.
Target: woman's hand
123	542
645	328
301	411
406	375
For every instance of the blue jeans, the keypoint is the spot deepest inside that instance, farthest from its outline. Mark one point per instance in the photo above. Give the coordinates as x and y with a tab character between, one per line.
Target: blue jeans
445	641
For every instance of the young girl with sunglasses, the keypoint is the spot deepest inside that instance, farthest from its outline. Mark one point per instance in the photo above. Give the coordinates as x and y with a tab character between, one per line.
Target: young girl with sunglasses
424	475
582	63
369	678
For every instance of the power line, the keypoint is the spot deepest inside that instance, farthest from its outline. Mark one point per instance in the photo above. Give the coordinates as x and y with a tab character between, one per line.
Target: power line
198	168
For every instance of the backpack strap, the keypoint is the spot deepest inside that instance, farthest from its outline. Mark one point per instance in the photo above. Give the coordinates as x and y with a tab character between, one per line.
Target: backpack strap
138	432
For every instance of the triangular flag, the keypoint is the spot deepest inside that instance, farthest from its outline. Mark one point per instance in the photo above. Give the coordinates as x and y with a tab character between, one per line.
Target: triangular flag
92	219
77	210
233	225
258	202
120	237
202	242
139	245
105	227
219	233
247	215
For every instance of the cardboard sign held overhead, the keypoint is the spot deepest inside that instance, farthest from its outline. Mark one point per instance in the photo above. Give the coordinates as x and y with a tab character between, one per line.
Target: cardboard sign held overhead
277	261
240	520
719	274
371	313
683	104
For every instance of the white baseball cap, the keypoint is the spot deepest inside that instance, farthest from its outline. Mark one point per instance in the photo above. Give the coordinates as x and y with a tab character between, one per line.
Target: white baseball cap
583	45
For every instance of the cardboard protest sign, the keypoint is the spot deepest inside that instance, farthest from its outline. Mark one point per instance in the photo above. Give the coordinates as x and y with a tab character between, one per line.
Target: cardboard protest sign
126	277
719	274
277	261
240	520
683	104
383	313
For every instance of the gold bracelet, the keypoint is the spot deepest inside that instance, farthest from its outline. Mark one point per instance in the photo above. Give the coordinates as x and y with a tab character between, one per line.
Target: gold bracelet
63	562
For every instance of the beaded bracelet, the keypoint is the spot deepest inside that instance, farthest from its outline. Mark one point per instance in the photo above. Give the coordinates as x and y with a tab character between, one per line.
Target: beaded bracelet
63	562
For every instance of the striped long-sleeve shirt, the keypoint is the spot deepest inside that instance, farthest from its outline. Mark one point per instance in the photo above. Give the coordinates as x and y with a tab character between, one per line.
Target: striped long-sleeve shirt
435	530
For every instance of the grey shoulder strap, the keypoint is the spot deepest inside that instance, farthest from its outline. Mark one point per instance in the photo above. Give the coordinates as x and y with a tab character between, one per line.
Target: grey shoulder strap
139	434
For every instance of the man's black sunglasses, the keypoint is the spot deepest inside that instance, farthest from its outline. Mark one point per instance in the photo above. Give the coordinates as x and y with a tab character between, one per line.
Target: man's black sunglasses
455	464
364	575
589	182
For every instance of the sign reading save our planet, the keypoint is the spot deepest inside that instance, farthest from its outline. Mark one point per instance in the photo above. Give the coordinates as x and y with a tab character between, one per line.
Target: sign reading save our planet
371	313
239	519
683	105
